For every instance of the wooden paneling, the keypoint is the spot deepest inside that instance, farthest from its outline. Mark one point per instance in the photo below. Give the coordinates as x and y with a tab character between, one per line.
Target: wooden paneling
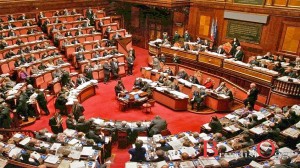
135	19
179	17
294	3
204	25
291	39
280	2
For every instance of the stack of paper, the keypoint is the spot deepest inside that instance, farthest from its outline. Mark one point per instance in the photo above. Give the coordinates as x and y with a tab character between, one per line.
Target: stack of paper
87	151
53	159
77	164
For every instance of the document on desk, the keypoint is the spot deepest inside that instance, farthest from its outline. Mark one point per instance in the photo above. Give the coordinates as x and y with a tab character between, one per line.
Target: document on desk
35	155
257	130
25	141
161	163
64	164
69	132
131	165
87	151
176	144
174	155
187	164
157	137
14	151
77	164
189	150
17	135
74	154
53	159
55	146
73	141
206	126
208	161
255	164
143	138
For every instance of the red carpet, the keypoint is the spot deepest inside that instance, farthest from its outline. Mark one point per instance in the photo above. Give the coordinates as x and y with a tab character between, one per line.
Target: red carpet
104	105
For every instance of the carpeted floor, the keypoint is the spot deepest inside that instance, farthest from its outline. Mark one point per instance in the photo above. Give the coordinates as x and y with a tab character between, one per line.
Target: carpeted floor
104	105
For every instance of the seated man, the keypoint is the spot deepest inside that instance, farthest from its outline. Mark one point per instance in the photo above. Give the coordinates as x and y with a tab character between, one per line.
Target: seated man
160	156
193	79
254	61
220	88
182	74
164	146
96	135
82	125
208	83
138	83
119	88
198	98
215	125
166	82
71	122
138	153
175	85
138	129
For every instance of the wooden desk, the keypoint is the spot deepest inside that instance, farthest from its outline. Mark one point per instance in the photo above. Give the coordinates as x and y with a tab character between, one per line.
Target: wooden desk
86	93
20	30
211	59
249	72
170	101
217	104
154	50
63	18
68	25
180	53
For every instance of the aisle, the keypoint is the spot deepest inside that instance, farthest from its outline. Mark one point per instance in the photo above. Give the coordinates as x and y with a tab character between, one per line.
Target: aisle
105	105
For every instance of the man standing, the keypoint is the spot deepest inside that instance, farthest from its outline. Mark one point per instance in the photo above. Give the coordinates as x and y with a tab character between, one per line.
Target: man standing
107	69
42	102
115	68
186	36
252	96
176	37
77	110
131	52
130	60
55	123
157	125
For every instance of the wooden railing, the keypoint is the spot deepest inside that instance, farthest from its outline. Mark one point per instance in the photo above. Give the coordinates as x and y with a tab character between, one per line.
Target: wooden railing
287	88
8	133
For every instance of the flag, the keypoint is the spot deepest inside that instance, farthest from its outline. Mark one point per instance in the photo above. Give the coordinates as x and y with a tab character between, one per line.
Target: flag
213	30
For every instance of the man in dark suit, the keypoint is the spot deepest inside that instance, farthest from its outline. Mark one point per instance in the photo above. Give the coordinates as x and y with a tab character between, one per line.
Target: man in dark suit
220	50
107	69
198	98
5	119
137	130
78	32
164	146
11	33
89	13
239	54
119	88
71	122
80	56
81	48
30	31
186	36
96	135
9	26
55	123
131	52
42	102
75	41
60	103
130	61
193	79
22	17
215	125
182	74
114	68
68	34
27	23
252	96
157	125
10	18
138	153
81	79
9	54
176	37
82	125
77	110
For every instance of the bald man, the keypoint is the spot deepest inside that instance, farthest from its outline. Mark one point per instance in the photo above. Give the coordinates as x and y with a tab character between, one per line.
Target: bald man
252	96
